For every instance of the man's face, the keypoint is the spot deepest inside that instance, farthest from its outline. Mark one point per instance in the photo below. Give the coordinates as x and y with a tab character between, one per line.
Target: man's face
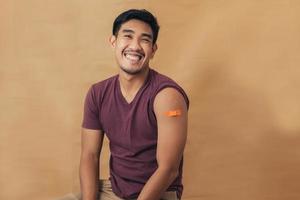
134	46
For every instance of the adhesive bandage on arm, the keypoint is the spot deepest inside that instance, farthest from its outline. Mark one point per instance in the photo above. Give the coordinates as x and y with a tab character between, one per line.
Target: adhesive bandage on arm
173	113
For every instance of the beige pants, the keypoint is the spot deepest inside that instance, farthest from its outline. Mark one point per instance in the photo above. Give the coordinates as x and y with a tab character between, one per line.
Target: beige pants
106	193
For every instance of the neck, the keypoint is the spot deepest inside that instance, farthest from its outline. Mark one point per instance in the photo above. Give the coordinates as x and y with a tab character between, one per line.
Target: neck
130	84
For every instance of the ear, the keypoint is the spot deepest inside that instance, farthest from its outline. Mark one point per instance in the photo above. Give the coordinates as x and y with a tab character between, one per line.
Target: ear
154	48
112	41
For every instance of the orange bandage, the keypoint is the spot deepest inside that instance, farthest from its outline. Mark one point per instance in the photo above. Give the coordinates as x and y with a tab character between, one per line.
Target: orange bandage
173	113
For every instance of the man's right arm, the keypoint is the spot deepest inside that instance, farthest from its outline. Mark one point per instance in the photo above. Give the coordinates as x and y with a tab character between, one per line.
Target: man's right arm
91	145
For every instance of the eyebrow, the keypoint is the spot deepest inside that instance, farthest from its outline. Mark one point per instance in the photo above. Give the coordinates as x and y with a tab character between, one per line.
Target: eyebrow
127	31
143	34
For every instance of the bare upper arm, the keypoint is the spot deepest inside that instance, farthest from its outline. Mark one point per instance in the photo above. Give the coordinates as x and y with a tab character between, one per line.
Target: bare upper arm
91	141
171	113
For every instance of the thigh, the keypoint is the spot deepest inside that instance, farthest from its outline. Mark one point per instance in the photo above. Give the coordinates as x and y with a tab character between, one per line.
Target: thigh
169	195
105	191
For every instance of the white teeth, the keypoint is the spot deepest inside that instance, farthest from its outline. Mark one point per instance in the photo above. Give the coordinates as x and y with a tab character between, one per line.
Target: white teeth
133	57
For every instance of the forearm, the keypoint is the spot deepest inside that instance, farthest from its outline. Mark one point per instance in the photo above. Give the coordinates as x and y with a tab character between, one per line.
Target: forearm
158	184
89	176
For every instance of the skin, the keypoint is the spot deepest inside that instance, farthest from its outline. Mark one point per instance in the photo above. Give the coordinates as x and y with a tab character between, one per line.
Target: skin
172	133
91	145
133	47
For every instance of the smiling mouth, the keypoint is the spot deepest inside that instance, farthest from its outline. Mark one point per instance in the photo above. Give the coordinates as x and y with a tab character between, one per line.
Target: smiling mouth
133	56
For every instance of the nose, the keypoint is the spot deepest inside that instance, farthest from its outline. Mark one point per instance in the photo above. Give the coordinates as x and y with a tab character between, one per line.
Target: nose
135	45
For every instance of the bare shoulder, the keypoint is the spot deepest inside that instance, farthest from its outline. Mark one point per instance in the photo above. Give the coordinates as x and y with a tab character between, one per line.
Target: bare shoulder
169	98
170	110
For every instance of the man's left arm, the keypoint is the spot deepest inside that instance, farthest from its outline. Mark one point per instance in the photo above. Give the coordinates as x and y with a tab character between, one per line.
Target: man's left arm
171	113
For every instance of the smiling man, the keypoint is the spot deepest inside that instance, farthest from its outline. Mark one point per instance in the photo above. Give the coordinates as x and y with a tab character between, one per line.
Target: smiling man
144	116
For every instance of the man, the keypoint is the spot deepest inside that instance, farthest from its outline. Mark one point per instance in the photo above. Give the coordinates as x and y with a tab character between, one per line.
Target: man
144	116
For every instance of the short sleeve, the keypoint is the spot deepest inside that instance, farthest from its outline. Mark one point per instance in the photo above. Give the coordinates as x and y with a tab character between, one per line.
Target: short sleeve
91	118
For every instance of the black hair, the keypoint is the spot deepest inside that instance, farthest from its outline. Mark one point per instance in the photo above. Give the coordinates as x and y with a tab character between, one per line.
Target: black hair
142	15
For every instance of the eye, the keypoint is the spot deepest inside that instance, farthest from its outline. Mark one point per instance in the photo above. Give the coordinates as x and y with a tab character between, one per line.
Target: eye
146	40
127	36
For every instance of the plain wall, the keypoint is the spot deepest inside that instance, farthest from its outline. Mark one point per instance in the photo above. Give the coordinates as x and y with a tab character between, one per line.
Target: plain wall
237	60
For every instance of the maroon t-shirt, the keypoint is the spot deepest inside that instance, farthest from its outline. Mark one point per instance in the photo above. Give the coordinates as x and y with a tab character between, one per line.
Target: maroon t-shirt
131	129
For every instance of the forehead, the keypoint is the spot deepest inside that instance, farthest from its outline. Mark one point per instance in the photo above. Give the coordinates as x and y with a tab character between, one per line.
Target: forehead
137	26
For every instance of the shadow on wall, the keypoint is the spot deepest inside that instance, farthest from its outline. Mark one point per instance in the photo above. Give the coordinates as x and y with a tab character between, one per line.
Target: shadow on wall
235	148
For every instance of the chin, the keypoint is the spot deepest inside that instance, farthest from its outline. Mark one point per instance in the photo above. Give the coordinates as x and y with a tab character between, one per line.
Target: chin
133	71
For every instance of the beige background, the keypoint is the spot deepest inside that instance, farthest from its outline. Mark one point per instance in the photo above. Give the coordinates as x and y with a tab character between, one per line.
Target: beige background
237	60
